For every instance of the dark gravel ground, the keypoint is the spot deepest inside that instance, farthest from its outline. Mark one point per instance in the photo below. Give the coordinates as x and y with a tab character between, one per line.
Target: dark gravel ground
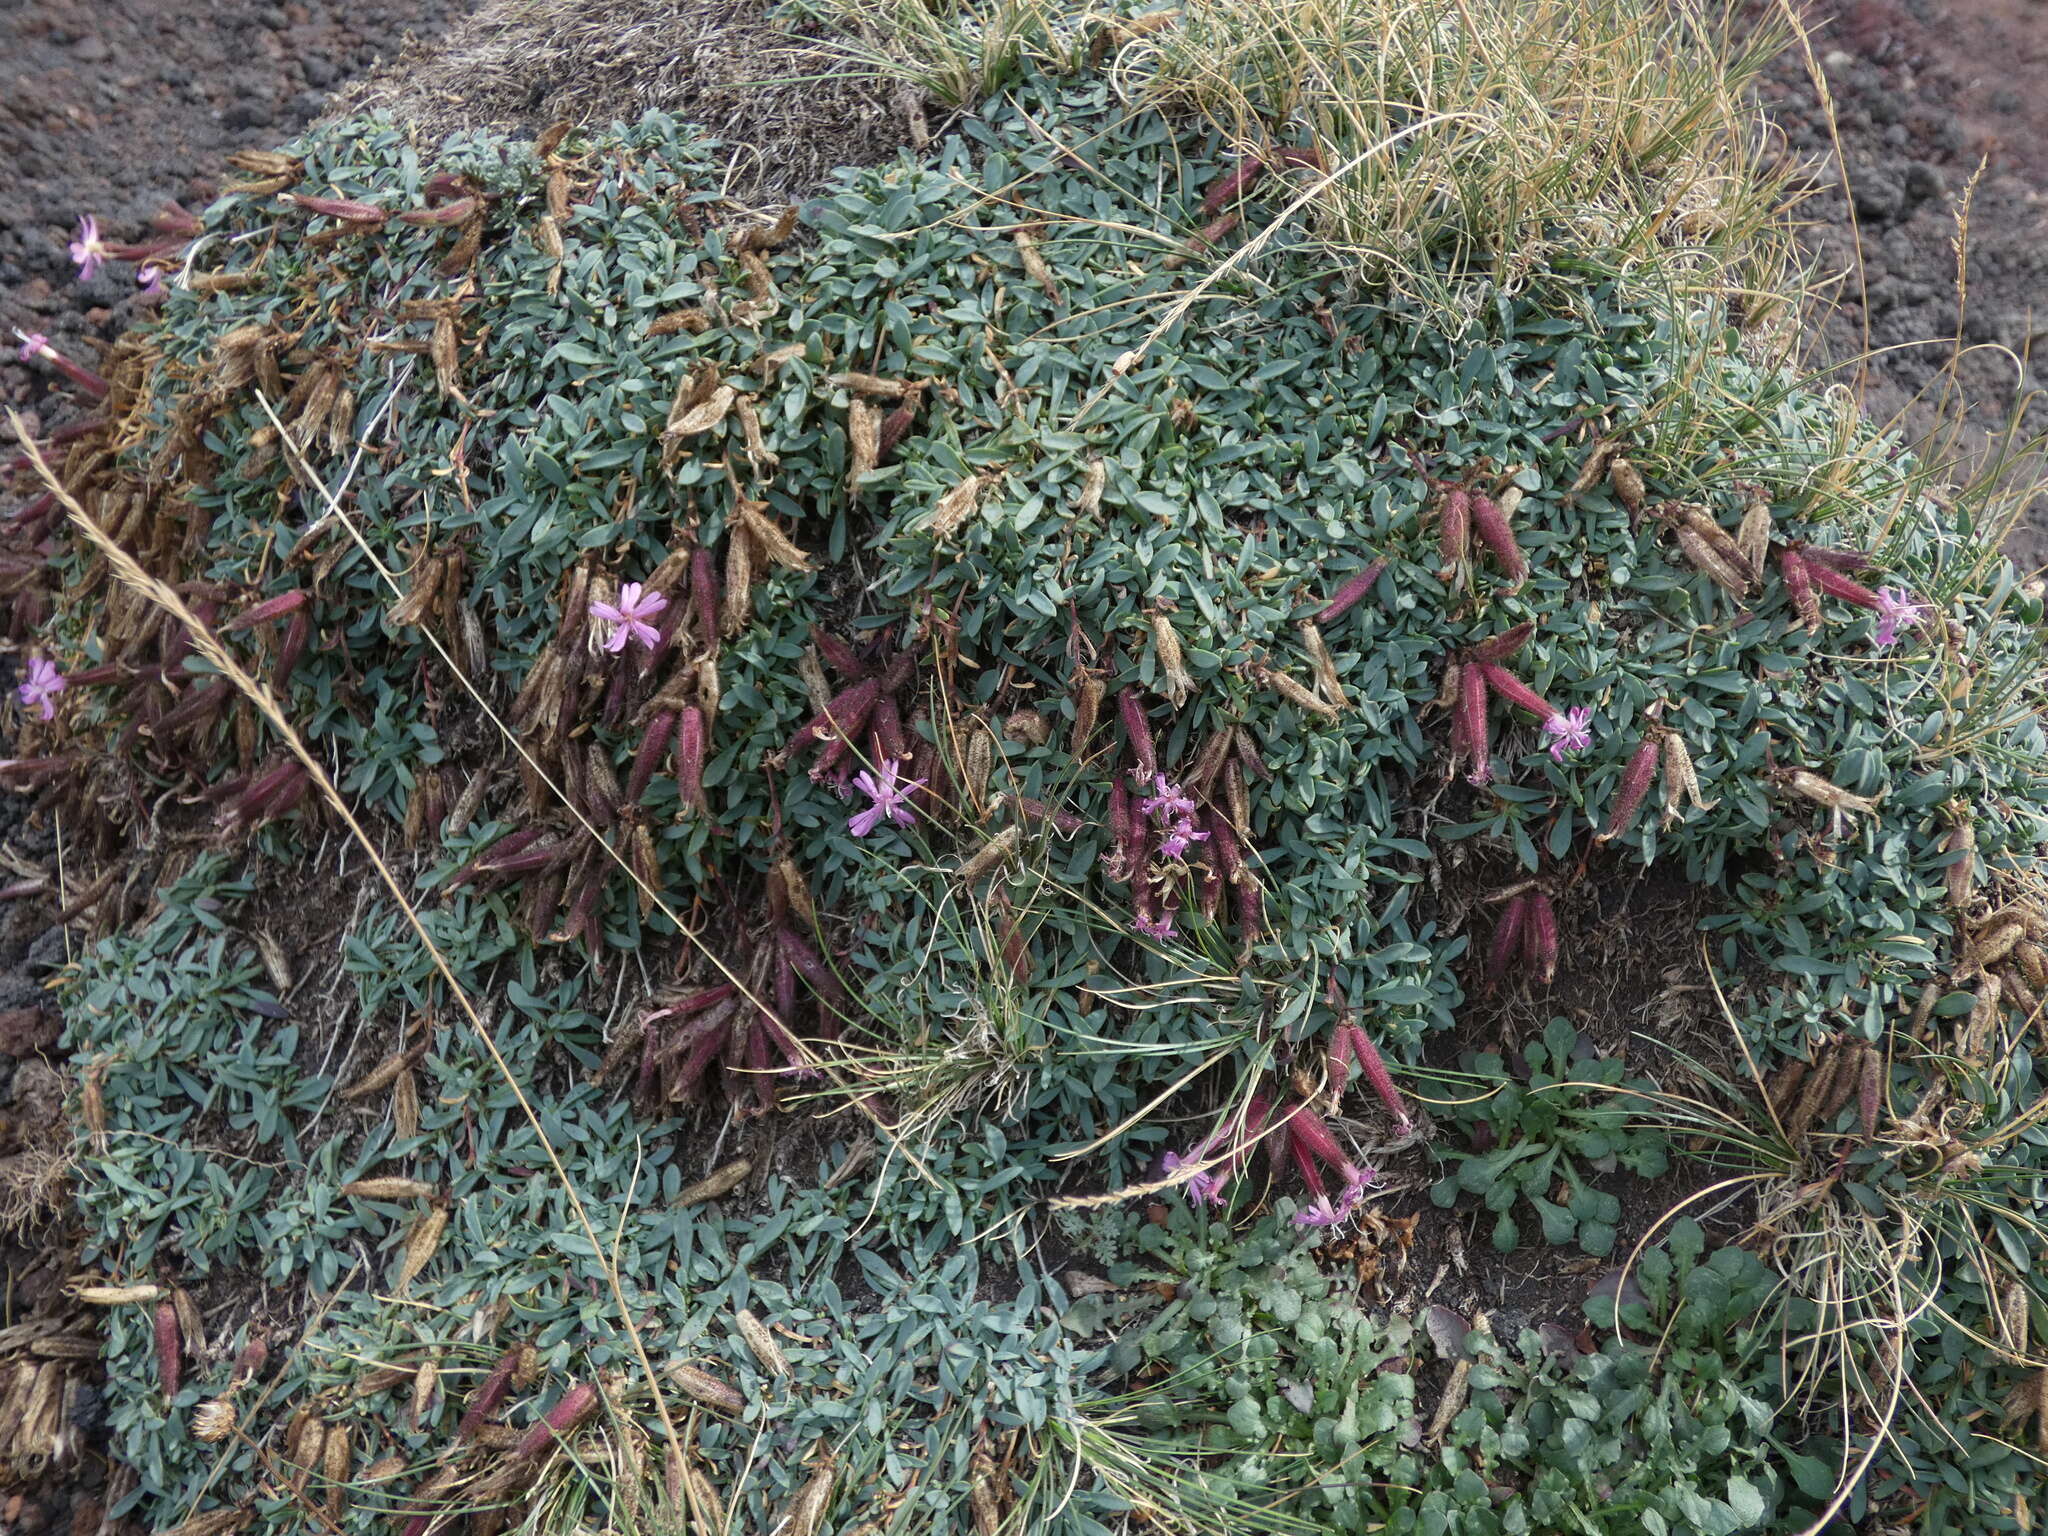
113	107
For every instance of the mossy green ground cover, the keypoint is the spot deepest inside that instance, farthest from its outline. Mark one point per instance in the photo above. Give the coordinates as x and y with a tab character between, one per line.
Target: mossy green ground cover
1026	510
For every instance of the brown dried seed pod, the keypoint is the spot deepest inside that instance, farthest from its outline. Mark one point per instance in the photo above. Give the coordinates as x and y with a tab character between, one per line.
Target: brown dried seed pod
1595	468
169	1348
1783	1084
2033	964
717	1184
1843	1083
1087	693
1981	1030
701	415
806	1515
405	1106
1034	263
191	1326
1627	482
796	891
390	1189
1819	1084
977	764
1680	781
1294	693
994	852
306	1454
739	581
863	442
1705	559
762	1343
1174	681
1821	792
1093	480
1753	538
1991	945
701	1387
420	1246
1960	877
426	1382
769	535
1325	665
956	506
334	1467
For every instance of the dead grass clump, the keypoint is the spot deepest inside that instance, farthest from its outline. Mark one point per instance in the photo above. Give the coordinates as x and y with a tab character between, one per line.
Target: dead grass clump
790	110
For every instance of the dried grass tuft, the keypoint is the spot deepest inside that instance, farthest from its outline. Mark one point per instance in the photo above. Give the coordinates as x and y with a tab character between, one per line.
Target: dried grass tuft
789	110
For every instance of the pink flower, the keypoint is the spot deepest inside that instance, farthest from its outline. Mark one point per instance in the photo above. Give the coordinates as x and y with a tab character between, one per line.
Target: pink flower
1179	837
629	618
1896	610
1573	731
44	683
32	346
151	281
1160	927
1318	1215
1170	801
891	800
88	250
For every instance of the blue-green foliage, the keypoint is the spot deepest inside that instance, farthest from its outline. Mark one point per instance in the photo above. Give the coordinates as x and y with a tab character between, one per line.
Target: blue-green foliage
1258	444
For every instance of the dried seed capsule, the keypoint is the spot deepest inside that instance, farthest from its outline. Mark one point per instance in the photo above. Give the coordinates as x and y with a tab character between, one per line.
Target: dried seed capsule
1850	561
1835	584
1753	538
1454	525
767	1353
1375	1069
1799	582
1708	561
1295	694
1494	532
702	1387
1635	784
653	744
1507	939
956	506
717	1184
1681	783
1821	792
1627	482
1867	1091
704	602
1325	664
1540	938
1138	731
994	852
562	1420
169	1348
1350	594
1503	645
1473	732
1510	687
1961	845
1233	186
1174	681
1087	691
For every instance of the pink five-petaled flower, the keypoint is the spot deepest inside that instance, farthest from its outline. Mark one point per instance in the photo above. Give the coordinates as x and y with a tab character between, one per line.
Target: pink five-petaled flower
891	800
88	250
1896	610
1571	731
1205	1187
32	346
629	617
1169	803
44	683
